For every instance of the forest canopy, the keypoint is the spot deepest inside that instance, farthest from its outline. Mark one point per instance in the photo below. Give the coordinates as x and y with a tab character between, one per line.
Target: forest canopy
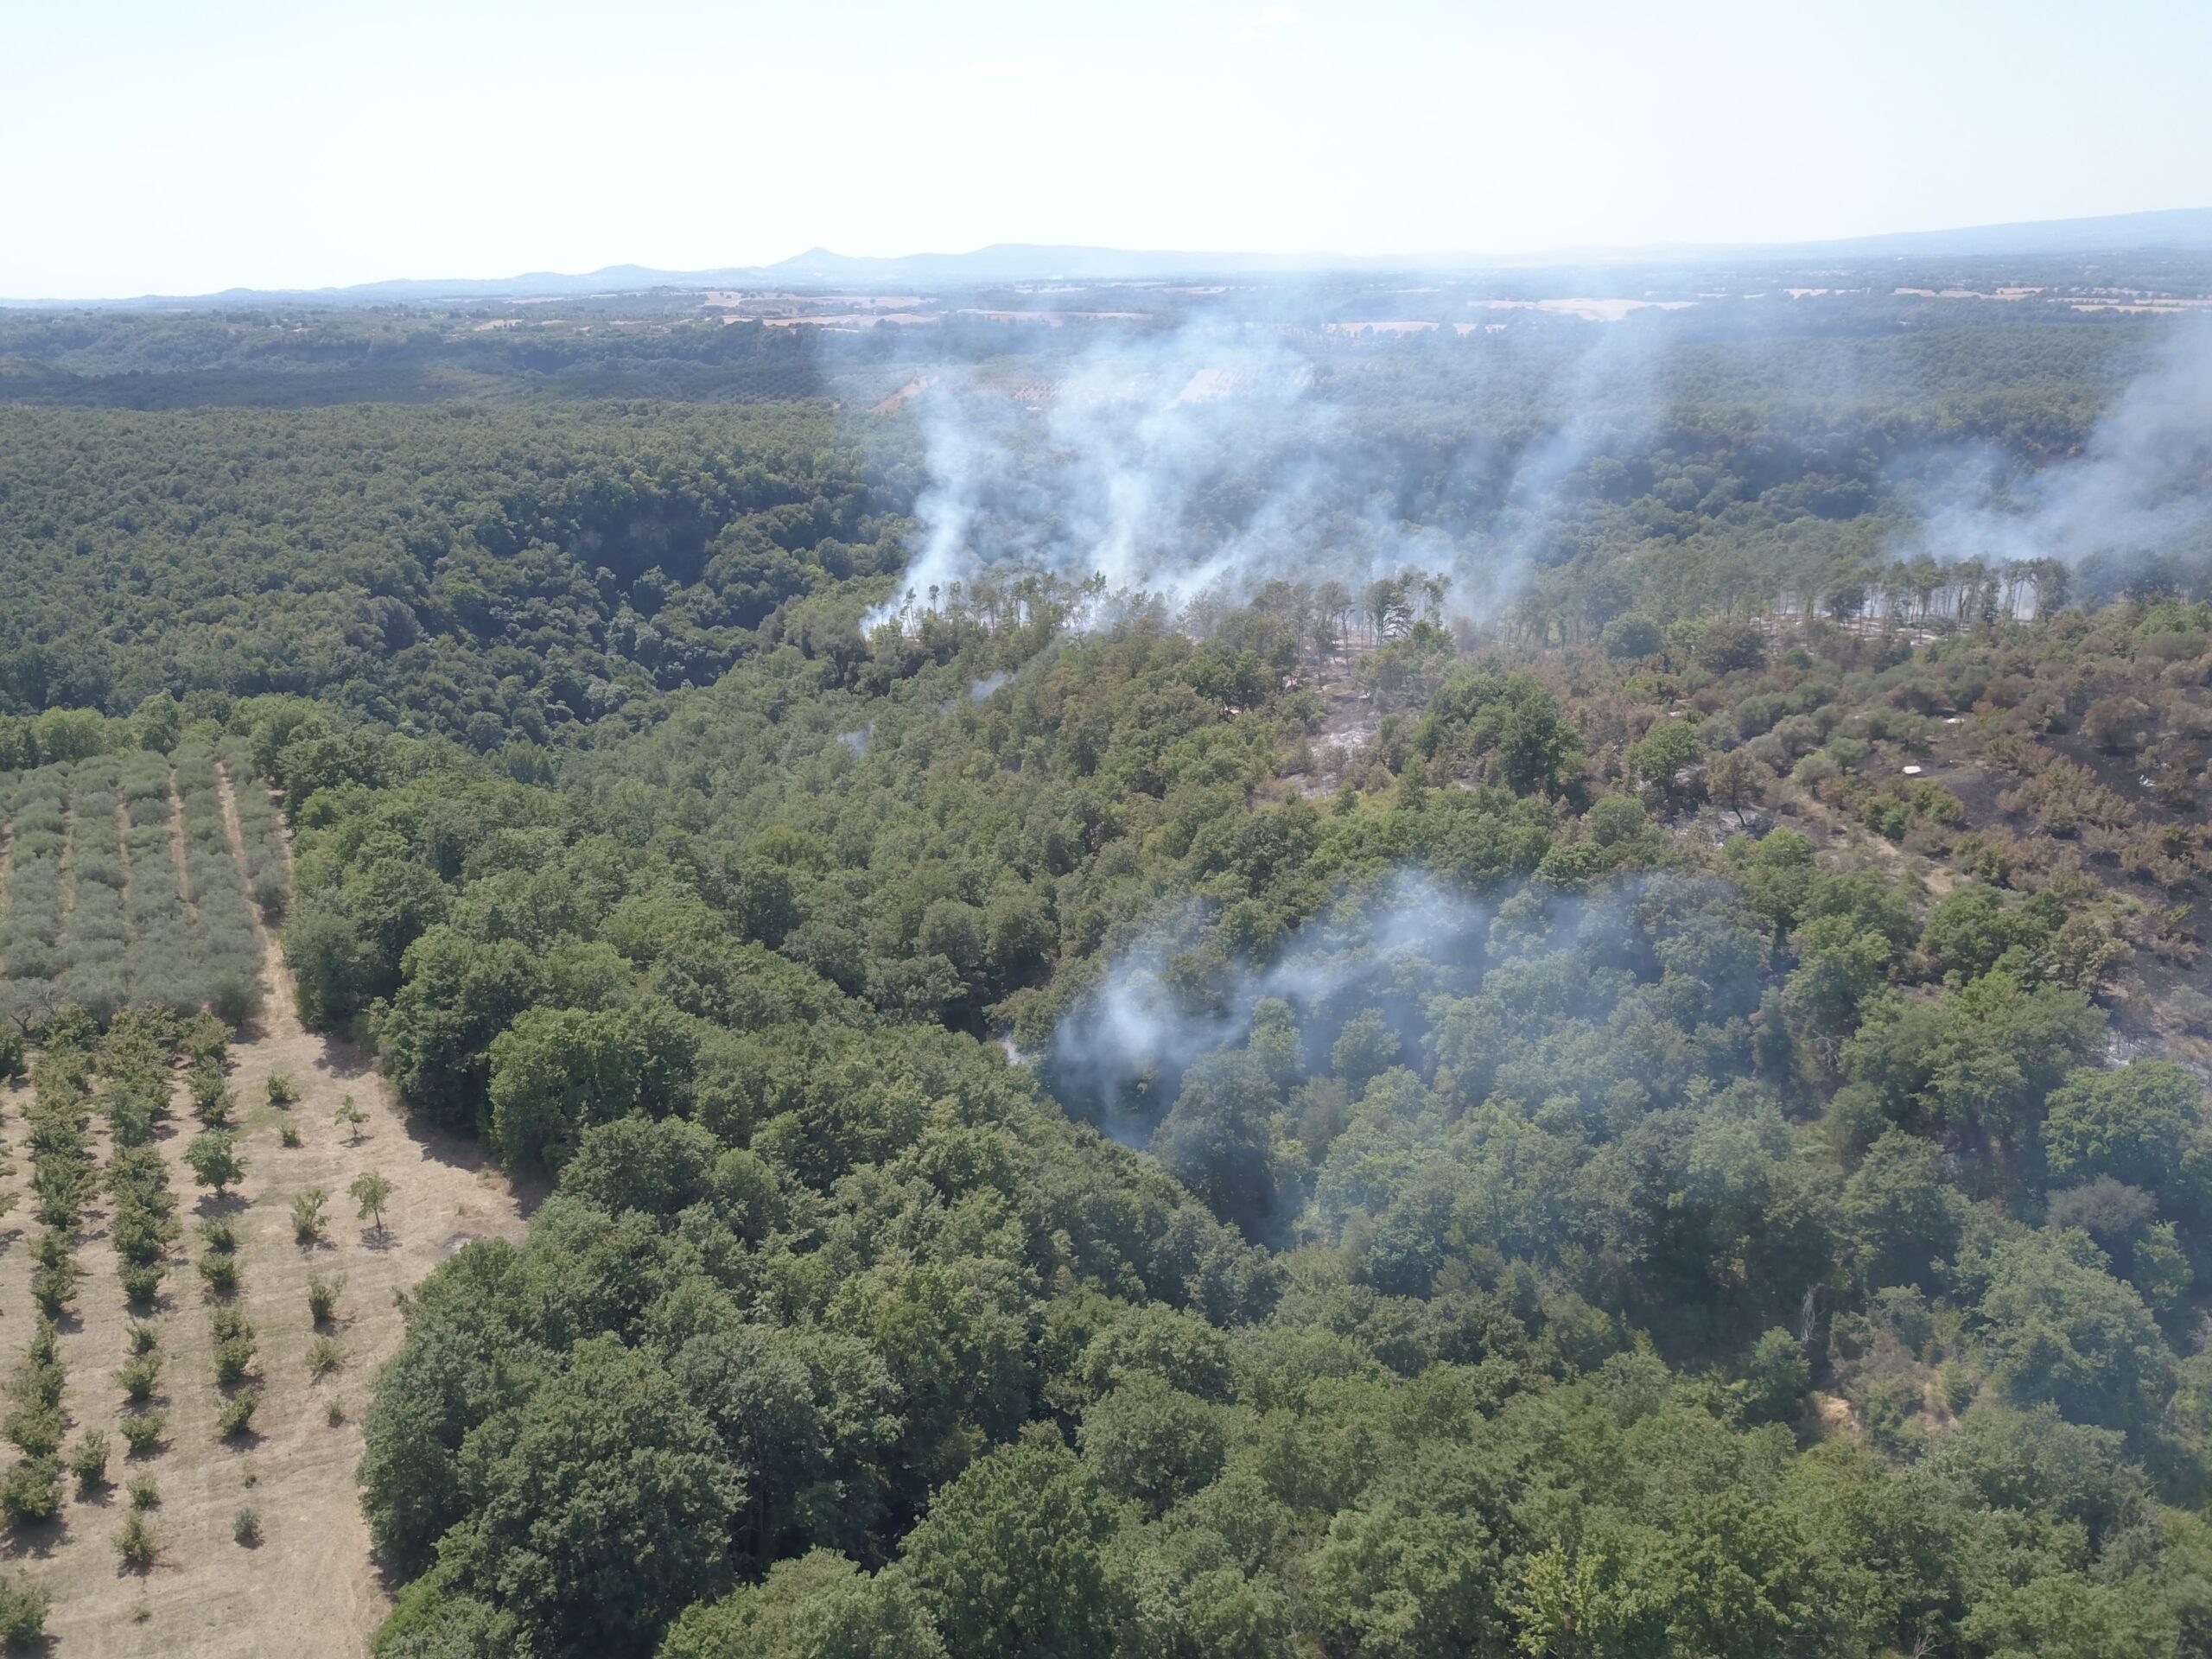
1665	1116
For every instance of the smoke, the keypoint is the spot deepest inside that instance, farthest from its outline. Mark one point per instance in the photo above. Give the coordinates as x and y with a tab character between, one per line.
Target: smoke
1117	1055
1203	461
2141	488
1682	948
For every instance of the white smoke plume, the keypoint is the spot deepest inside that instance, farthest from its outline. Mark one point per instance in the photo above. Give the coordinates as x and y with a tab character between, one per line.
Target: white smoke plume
1140	1025
1207	461
2141	486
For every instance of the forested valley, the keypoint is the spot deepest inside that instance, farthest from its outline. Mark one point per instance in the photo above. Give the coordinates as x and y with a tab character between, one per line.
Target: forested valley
1597	1046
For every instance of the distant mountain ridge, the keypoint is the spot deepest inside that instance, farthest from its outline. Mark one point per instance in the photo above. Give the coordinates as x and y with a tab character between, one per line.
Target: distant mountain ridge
2177	228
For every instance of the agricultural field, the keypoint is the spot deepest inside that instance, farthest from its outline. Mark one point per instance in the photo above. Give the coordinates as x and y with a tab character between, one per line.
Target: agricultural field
122	889
205	1241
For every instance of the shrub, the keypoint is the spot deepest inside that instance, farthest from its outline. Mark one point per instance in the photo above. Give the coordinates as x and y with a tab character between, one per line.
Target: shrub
221	1273
245	1527
144	1339
323	1298
142	1284
88	1460
135	1543
234	1358
23	1613
144	1494
54	1288
139	1376
289	1136
325	1355
212	1100
307	1215
35	1427
213	1159
219	1236
31	1493
283	1090
335	1413
142	1433
237	1416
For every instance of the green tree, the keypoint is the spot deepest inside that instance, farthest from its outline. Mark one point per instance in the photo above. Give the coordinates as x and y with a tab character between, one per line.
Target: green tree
1631	636
1152	1443
1735	1582
459	995
556	1072
1398	1579
1660	763
1010	1558
818	1605
1900	1217
2134	1123
1540	746
1218	1139
604	1509
212	1157
2061	1330
370	1192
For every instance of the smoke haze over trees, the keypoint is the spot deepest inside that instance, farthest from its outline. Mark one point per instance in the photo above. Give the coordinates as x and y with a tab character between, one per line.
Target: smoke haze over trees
1215	974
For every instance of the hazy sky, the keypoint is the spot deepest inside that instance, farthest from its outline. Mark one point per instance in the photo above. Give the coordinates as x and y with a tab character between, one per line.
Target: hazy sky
178	146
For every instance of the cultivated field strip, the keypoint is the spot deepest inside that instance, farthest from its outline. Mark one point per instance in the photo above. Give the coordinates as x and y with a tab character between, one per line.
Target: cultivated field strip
120	887
224	1314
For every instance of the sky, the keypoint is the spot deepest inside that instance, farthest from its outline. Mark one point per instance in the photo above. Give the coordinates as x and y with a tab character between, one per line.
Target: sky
183	146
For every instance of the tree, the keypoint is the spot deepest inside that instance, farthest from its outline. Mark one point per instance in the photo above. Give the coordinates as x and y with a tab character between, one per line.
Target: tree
1968	928
1900	1215
1734	1580
557	1071
1840	965
1982	1061
1365	1049
212	1157
158	723
1397	1577
2134	1123
1152	1443
605	1510
2061	1330
1217	1139
370	1192
349	1117
1659	762
1725	647
1009	1559
1631	636
818	1605
458	995
1736	779
659	1167
1540	745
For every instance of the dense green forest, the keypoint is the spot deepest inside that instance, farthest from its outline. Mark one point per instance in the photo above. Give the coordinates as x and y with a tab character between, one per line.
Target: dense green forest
1667	1118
